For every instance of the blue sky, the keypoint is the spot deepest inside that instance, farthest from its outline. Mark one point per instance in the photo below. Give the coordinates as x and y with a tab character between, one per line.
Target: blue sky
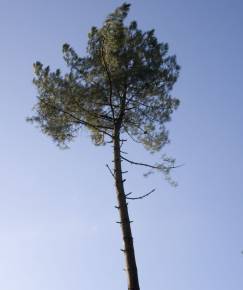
57	216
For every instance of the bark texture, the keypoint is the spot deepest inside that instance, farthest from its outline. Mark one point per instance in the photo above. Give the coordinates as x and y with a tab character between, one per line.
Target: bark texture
131	267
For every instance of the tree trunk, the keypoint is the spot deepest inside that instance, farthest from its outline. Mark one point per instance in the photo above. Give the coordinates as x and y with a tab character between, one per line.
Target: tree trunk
131	267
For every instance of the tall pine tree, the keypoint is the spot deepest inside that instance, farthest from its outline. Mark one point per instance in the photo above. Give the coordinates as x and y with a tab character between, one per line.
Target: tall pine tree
121	87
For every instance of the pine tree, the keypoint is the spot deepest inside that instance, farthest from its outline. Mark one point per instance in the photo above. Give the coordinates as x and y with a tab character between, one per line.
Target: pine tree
120	89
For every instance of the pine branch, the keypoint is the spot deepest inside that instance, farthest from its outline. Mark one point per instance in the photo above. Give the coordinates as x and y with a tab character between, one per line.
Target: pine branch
110	170
142	196
100	116
79	121
135	140
158	167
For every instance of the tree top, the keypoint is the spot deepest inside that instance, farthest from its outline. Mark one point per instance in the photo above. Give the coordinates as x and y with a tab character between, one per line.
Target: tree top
123	83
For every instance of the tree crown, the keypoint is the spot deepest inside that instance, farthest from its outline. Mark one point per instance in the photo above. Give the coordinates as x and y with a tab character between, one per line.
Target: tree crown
123	83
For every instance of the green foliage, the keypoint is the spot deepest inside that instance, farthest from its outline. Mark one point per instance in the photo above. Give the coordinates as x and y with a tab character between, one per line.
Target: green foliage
124	80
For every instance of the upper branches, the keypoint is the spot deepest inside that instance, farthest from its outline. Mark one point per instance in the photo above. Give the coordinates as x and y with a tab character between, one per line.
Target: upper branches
126	78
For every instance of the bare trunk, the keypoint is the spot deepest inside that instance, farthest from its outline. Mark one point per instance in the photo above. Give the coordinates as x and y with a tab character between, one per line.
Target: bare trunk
131	267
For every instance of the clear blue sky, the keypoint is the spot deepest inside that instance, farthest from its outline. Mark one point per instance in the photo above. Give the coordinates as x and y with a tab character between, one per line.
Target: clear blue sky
57	216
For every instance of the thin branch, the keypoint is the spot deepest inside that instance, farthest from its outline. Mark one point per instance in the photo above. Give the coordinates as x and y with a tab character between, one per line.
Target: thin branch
148	165
122	141
142	196
137	126
131	108
123	222
100	116
146	115
110	170
79	121
140	103
131	136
